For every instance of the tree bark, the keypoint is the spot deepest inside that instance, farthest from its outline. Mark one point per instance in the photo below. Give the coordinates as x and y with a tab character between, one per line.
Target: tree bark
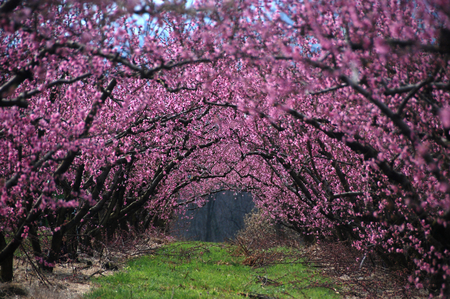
34	240
55	249
7	264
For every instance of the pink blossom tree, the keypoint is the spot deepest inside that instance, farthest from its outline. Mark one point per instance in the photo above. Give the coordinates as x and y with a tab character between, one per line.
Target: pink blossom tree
96	124
335	114
364	154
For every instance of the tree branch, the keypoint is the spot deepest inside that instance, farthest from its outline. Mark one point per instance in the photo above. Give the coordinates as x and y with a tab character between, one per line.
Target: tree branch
411	93
345	194
327	90
9	6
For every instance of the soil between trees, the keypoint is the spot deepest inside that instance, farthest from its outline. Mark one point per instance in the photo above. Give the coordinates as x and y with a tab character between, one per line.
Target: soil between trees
72	279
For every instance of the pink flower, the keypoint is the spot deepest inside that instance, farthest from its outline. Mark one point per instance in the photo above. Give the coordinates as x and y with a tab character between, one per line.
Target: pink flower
444	114
381	46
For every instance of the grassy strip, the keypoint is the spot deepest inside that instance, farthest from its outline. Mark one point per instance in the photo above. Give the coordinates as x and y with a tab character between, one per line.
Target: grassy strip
210	270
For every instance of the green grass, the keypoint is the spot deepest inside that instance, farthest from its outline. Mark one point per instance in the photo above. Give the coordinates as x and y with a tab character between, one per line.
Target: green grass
211	270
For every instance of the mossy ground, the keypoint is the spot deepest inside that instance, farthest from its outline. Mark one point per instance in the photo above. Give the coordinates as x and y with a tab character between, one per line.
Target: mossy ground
214	270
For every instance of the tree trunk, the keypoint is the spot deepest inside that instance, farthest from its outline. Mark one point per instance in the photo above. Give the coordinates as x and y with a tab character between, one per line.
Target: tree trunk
55	249
34	239
7	264
209	220
7	269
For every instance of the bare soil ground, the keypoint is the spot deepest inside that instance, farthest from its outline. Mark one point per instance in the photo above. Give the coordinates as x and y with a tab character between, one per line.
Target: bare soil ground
359	276
72	279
